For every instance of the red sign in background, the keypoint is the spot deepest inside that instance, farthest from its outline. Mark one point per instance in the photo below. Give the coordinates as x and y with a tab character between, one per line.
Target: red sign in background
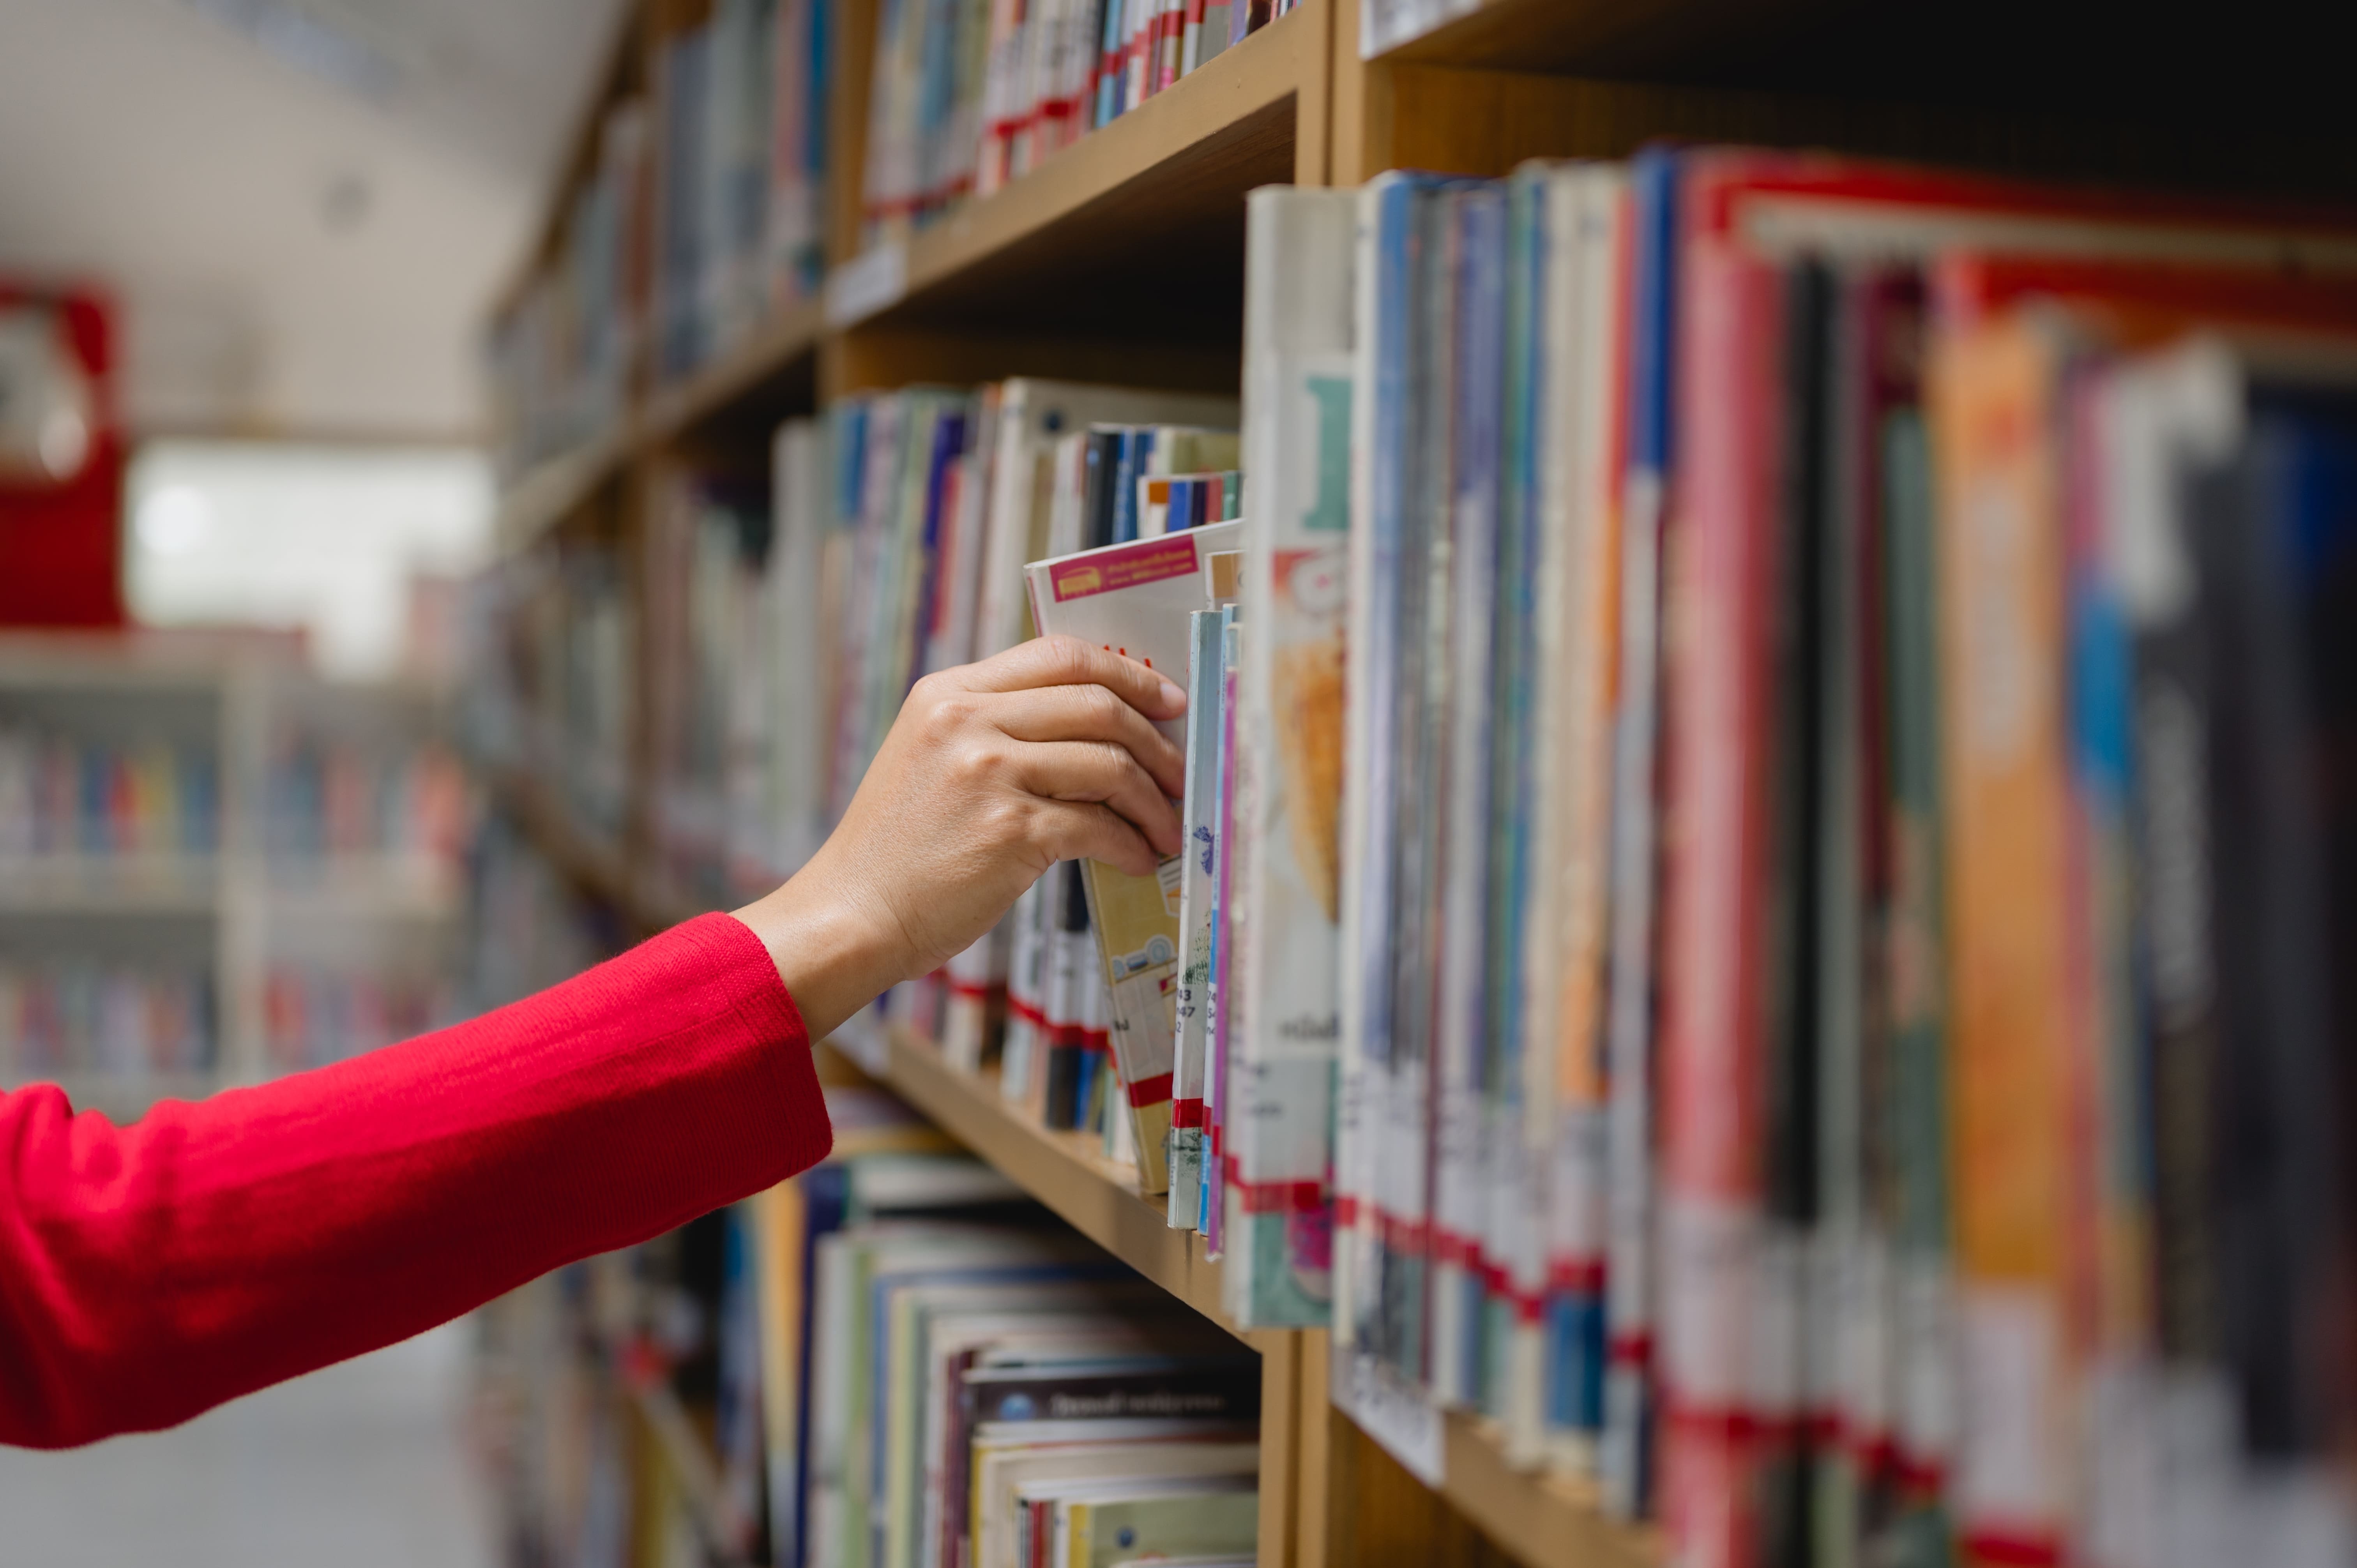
61	542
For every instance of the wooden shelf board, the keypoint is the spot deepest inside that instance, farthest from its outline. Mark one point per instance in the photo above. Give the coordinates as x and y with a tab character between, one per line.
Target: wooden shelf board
141	885
577	854
696	1468
556	488
1600	37
767	353
1063	1170
1542	1519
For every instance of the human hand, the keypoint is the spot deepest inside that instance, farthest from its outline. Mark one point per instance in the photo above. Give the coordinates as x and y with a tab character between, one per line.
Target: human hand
993	773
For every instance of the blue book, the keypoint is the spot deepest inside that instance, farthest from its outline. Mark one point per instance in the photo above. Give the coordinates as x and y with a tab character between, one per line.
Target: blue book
1514	758
1625	1456
1471	290
1136	441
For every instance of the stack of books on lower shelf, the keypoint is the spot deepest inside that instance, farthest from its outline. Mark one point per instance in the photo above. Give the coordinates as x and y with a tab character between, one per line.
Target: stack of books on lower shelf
985	1387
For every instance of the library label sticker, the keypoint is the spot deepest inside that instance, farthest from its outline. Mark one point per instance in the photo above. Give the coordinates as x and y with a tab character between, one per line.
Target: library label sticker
1105	571
866	283
1394	1415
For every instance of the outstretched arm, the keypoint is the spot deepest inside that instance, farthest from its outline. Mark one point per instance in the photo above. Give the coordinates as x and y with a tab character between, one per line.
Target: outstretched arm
150	1273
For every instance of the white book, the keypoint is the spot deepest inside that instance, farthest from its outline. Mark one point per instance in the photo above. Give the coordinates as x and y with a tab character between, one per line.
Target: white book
1562	1136
1189	1047
1027	987
1289	737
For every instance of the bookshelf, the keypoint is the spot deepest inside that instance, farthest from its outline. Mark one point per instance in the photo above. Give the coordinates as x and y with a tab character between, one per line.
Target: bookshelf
1119	258
180	876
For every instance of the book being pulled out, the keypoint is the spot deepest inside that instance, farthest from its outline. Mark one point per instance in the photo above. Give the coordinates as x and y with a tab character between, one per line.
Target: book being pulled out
1134	598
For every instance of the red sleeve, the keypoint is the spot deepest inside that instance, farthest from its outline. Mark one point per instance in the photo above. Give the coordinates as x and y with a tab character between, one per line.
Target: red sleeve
151	1271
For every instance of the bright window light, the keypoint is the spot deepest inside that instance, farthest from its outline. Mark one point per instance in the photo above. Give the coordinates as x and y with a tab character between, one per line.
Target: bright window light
324	538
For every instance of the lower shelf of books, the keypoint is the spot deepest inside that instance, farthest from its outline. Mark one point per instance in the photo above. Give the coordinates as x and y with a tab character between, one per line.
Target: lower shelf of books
1066	1171
1537	1519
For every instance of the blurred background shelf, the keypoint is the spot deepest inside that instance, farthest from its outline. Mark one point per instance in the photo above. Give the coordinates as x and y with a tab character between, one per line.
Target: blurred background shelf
151	885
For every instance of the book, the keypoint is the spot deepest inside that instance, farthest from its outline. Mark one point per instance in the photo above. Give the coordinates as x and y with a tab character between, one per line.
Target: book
1135	598
1189	1041
1289	724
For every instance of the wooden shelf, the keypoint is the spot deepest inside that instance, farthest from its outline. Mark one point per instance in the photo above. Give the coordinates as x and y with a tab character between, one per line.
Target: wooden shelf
1656	38
139	884
767	356
1542	1521
598	868
556	488
1063	1170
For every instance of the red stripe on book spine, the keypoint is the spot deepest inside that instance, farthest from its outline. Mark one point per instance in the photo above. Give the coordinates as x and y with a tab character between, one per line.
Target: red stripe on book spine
1151	1092
1280	1197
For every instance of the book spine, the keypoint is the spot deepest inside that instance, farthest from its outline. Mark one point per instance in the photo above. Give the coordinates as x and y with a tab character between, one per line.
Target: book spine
1643	385
1999	565
1071	970
1578	290
1915	1104
1226	1013
1463	1113
1197	902
1289	735
1726	1292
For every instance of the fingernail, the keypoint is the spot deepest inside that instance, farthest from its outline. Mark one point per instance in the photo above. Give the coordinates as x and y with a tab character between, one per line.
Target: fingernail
1172	697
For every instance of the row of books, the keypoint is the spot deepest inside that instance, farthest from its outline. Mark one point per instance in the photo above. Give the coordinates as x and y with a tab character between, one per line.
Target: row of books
740	186
951	1380
1770	708
782	639
527	929
563	358
326	798
970	94
65	795
313	1014
1842	661
551	634
714	609
701	215
81	1015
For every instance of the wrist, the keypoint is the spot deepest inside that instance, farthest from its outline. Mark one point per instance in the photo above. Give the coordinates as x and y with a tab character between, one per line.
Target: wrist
833	953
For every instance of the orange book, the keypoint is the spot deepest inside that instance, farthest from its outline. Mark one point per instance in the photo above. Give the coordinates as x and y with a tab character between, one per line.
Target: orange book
1993	402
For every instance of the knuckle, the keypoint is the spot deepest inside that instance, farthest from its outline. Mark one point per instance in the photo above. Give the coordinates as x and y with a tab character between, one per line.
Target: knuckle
948	712
979	764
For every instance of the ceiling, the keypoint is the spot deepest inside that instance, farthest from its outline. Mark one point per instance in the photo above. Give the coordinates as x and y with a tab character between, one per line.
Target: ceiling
303	206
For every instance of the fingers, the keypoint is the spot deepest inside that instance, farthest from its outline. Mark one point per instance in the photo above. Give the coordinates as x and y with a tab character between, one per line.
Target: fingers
1068	662
1077	771
1084	829
1091	713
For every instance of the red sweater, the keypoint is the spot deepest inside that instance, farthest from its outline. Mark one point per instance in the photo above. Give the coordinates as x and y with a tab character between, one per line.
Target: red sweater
151	1271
